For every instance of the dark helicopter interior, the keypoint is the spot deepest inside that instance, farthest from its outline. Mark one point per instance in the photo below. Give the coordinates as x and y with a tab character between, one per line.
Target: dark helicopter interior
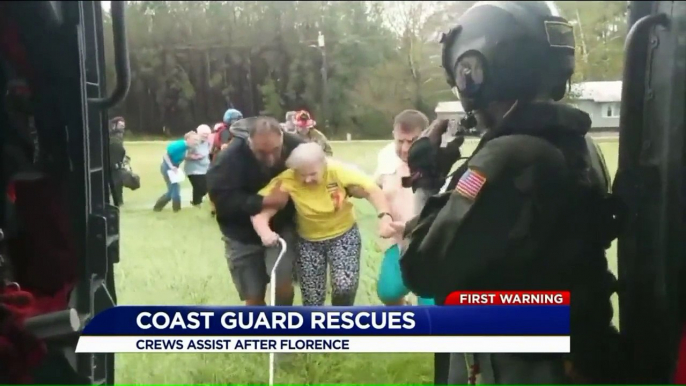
59	234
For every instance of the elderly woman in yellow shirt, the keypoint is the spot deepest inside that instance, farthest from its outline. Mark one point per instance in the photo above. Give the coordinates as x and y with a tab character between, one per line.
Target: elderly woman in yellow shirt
326	225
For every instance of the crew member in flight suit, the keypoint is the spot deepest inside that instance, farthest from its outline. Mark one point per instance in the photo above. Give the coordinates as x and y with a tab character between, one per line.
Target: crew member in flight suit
530	208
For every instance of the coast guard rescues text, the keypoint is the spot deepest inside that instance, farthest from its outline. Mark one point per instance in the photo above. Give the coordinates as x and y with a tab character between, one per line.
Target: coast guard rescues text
319	320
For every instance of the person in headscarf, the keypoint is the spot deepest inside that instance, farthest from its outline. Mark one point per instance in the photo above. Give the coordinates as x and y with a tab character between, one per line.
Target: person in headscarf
197	163
305	128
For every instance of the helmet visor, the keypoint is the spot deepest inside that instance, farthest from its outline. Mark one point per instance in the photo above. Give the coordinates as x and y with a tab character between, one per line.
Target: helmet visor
560	34
469	74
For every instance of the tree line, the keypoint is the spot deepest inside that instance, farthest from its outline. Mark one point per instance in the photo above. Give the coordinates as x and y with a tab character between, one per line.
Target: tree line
191	60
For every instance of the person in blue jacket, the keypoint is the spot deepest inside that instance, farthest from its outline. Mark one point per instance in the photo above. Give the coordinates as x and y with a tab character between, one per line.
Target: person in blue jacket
174	155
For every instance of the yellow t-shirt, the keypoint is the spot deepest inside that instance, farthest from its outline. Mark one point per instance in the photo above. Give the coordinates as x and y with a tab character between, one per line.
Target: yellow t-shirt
323	211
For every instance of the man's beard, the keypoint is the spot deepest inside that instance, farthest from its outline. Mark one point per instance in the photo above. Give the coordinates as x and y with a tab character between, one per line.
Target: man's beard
270	169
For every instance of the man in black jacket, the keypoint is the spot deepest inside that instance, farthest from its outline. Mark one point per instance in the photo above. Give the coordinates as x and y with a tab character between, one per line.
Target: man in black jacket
117	156
529	210
255	156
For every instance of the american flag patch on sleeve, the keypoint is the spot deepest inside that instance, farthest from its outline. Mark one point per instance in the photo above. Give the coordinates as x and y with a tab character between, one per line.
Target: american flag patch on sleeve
470	184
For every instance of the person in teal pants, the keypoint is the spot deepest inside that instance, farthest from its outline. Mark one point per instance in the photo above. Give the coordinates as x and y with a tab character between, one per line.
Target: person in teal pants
390	287
391	168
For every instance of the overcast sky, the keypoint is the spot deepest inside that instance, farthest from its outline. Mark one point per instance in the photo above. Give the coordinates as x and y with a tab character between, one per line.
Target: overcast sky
105	5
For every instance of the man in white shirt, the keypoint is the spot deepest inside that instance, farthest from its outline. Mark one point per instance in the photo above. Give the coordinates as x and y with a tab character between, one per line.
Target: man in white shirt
391	168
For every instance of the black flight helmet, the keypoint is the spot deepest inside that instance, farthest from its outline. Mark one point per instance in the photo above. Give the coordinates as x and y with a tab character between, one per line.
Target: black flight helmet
509	50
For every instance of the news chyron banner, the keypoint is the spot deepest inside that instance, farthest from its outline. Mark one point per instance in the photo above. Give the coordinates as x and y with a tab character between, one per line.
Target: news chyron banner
474	322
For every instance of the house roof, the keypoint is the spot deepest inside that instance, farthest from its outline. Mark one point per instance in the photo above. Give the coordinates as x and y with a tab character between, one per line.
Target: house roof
594	91
597	91
449	107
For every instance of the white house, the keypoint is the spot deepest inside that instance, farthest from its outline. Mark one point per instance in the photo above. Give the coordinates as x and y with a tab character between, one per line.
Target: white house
449	110
600	100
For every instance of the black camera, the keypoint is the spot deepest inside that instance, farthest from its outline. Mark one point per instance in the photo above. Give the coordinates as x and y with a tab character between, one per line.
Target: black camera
465	128
429	165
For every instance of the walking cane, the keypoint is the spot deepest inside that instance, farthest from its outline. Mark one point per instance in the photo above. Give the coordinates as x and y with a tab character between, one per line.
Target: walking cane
272	301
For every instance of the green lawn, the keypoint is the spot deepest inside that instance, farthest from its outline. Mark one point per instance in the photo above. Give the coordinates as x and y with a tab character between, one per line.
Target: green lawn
178	258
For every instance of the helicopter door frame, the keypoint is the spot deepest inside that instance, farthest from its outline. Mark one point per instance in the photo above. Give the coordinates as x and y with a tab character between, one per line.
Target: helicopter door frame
648	182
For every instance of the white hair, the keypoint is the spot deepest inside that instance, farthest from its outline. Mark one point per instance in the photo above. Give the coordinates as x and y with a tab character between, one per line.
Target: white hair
306	154
203	129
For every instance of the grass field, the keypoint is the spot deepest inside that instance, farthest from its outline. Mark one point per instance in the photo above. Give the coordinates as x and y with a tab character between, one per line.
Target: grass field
178	258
